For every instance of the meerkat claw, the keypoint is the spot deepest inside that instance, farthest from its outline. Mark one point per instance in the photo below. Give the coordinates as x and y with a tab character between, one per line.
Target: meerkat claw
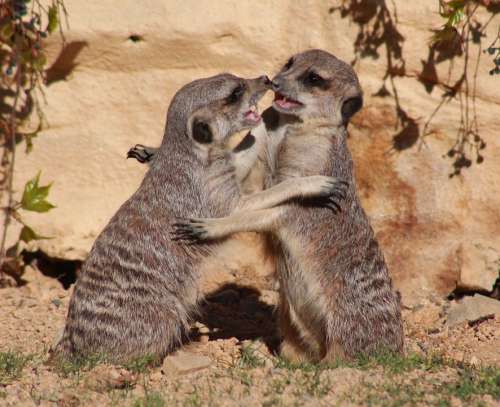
334	206
140	153
189	230
340	194
337	189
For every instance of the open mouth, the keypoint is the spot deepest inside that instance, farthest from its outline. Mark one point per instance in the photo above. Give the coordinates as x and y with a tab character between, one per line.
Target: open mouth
285	102
252	116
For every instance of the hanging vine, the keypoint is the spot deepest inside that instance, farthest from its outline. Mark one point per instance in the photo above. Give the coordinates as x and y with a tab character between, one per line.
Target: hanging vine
460	37
24	26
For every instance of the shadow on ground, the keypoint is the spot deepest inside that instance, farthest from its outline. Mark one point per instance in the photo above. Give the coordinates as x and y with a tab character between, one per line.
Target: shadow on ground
237	311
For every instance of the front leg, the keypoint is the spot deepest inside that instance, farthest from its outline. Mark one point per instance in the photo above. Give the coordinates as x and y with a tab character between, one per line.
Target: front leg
262	212
315	186
263	220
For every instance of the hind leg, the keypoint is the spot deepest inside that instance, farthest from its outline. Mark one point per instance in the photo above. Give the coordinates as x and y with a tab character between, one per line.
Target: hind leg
295	347
333	352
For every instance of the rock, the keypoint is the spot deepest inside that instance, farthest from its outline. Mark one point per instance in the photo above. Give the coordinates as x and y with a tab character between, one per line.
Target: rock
202	329
183	362
106	377
479	267
427	316
269	297
156	376
474	361
471	309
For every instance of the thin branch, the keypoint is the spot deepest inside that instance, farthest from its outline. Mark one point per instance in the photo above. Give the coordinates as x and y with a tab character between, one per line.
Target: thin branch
12	149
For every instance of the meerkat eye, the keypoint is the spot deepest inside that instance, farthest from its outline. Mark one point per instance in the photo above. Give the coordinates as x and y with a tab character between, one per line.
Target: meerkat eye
289	64
236	94
313	79
201	132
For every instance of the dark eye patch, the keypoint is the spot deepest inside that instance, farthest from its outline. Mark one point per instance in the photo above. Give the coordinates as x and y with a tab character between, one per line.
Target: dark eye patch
236	94
289	64
350	107
201	132
313	80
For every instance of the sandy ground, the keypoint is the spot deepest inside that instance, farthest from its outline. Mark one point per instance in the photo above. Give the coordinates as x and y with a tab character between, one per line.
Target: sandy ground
237	335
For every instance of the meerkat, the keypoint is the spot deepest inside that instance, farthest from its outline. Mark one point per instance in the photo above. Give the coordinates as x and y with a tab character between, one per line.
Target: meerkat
336	295
137	290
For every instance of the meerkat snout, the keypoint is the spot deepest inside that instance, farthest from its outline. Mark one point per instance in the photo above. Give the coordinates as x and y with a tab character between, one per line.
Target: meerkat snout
316	84
239	111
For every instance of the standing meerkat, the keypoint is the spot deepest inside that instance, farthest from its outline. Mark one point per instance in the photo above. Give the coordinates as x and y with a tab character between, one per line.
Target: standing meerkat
336	295
138	289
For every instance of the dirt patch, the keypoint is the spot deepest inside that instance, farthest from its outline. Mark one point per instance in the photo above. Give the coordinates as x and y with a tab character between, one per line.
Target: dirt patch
444	366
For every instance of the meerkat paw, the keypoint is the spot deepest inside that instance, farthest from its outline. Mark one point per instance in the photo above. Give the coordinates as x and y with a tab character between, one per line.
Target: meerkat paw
190	230
141	153
333	192
293	354
335	187
334	354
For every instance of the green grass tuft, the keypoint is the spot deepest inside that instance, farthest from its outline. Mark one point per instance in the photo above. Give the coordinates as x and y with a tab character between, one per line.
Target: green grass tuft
249	357
150	400
396	364
140	364
11	366
282	363
194	400
476	382
74	365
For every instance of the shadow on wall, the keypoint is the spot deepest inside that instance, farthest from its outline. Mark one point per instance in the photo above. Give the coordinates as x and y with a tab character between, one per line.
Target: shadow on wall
65	62
378	31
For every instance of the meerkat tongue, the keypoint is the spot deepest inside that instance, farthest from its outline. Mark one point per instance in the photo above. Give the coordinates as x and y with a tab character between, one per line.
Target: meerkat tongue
284	103
252	114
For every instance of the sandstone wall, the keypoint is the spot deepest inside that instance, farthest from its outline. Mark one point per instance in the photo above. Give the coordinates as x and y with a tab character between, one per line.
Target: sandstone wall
134	55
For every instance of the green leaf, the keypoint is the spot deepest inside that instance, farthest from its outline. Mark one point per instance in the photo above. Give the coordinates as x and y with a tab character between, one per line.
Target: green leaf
53	19
40	61
28	137
28	234
456	4
6	31
41	207
34	196
446	35
456	17
29	142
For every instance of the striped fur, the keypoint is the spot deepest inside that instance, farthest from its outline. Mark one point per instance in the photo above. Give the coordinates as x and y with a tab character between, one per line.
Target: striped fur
336	294
137	291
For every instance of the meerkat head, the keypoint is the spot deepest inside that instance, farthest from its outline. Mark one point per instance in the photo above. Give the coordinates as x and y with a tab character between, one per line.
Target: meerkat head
315	84
211	110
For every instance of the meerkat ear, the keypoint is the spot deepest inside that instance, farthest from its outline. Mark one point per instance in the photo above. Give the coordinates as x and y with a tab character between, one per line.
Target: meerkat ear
201	132
351	106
